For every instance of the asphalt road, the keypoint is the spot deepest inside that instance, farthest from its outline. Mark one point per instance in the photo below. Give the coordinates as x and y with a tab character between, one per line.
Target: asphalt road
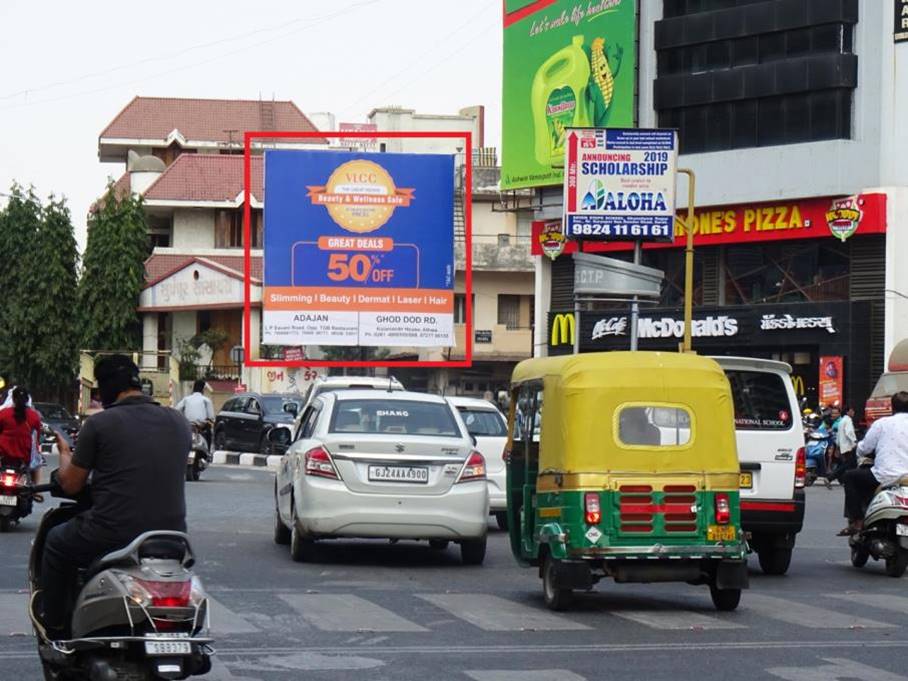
405	612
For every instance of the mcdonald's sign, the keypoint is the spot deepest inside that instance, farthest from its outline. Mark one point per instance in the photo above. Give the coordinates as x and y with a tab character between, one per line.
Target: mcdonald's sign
798	384
563	330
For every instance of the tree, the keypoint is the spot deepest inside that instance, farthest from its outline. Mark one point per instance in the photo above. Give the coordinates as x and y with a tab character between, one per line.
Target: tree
113	273
354	353
19	223
38	278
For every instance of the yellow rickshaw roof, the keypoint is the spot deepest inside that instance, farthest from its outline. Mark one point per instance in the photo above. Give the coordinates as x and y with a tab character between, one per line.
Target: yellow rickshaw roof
584	393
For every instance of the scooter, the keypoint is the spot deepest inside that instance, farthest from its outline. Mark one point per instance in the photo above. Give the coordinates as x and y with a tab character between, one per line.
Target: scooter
817	444
137	613
15	496
199	455
885	532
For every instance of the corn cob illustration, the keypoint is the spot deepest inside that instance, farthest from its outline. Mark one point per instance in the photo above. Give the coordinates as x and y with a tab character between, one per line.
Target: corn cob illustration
602	74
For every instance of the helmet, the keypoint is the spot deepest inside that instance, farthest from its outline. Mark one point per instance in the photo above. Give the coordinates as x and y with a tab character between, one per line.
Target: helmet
807	412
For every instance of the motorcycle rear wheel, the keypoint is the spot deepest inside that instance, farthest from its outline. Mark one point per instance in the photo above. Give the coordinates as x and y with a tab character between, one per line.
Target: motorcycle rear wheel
6	524
897	564
859	556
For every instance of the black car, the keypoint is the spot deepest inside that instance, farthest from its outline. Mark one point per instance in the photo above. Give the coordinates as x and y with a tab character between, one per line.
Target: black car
55	417
243	422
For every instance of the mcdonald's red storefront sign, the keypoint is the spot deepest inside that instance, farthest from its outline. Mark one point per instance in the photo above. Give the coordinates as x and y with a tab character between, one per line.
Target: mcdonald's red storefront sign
755	223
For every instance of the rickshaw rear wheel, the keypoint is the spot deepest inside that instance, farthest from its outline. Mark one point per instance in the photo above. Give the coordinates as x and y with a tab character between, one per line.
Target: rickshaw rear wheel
725	600
555	597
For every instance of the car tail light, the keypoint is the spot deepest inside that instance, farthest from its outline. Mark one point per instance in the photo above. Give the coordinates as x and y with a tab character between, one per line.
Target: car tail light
723	509
319	464
800	468
592	510
474	468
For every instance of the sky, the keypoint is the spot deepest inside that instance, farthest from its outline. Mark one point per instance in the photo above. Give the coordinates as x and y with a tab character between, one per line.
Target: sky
70	67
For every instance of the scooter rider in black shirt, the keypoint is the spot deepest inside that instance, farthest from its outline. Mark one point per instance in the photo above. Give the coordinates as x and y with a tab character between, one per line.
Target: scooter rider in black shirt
135	451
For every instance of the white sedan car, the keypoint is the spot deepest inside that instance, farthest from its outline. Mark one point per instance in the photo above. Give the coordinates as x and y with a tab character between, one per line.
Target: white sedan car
391	464
490	428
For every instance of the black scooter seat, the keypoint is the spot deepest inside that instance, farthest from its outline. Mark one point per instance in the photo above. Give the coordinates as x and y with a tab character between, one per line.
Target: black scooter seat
150	545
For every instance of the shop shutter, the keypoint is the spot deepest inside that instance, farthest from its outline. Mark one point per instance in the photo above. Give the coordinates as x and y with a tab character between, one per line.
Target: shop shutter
709	258
562	284
867	282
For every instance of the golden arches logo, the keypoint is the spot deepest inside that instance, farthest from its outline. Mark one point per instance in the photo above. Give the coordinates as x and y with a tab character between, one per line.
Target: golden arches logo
798	383
564	329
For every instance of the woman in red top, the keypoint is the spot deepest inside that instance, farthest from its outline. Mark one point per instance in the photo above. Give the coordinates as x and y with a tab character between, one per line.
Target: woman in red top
17	426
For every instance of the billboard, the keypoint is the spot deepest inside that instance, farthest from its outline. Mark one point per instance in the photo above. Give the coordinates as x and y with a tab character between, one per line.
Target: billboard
364	143
566	64
358	249
620	184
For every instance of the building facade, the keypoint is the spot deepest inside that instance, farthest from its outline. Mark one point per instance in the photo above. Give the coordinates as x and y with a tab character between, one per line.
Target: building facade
788	113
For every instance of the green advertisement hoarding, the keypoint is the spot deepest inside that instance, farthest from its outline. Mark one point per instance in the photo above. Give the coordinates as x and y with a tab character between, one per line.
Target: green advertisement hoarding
567	63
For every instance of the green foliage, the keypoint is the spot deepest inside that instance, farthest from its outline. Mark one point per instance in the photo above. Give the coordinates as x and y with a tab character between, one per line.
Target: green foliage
113	273
38	280
188	356
353	353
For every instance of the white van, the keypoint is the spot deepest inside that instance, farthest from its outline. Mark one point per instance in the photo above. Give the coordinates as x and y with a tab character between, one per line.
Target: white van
770	441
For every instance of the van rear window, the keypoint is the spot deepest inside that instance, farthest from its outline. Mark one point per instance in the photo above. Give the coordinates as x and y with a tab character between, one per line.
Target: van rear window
761	400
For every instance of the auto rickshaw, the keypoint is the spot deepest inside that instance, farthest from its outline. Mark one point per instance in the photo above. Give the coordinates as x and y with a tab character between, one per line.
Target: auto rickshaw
623	465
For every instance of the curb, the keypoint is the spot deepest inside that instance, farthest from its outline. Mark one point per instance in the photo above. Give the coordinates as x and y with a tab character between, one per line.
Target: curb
245	459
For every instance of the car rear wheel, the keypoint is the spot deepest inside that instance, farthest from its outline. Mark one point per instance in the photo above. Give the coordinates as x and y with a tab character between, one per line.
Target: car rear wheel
897	564
555	597
301	548
725	600
774	561
501	518
473	551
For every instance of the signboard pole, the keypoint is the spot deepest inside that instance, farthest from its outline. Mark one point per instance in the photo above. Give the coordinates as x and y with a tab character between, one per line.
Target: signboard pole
576	325
686	346
635	305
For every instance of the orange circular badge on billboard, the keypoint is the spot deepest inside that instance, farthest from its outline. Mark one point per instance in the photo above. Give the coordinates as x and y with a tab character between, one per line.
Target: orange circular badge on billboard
365	193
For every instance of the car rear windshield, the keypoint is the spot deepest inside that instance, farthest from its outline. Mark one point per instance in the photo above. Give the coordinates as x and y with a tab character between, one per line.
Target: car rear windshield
402	417
52	411
483	422
761	400
275	405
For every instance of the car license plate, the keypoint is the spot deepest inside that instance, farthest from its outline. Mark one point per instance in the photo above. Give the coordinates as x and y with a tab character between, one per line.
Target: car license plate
418	474
8	500
721	533
901	530
166	648
747	481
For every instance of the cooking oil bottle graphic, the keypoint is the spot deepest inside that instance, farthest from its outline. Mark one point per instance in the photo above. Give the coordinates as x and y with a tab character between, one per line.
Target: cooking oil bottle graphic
559	100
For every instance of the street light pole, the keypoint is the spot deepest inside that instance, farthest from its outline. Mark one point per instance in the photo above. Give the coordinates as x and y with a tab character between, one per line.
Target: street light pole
686	345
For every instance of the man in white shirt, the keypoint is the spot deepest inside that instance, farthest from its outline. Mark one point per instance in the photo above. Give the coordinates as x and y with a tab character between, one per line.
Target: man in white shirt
846	441
888	438
198	409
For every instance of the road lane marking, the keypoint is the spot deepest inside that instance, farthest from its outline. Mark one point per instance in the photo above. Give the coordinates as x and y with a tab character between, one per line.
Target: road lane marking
346	612
491	613
225	622
884	601
675	620
524	675
839	669
14	614
809	616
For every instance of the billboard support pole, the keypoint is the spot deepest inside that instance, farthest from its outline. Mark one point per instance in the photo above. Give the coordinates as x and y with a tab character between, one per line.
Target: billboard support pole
635	305
576	325
686	346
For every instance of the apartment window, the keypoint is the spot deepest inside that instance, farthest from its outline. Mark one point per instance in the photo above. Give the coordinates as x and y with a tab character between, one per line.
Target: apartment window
228	231
509	311
460	307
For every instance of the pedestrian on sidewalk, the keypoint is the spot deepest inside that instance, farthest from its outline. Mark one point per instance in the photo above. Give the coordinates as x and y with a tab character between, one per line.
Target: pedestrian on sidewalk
846	441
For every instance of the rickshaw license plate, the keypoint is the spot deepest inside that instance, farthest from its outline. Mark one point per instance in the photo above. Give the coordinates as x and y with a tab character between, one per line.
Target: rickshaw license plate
7	500
168	648
419	474
747	481
721	533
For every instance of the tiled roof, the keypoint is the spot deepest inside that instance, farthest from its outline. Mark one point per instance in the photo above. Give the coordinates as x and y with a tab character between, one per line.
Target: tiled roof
204	120
159	266
205	177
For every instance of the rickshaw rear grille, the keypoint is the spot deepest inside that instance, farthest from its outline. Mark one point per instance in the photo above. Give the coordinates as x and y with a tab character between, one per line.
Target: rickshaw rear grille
638	528
639	508
635	489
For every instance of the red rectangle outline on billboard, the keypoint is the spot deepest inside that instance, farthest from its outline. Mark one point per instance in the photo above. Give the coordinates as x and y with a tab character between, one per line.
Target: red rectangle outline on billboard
248	136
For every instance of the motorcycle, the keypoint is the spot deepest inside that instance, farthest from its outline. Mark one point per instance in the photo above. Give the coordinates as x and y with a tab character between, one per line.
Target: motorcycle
136	613
885	532
817	444
15	496
199	454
